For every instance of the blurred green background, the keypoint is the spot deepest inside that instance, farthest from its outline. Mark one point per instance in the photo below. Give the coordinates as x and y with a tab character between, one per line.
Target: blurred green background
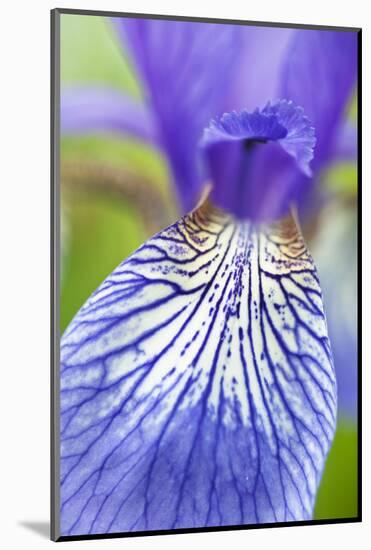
100	228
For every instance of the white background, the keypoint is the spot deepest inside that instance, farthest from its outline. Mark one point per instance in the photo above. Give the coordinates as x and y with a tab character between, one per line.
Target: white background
24	233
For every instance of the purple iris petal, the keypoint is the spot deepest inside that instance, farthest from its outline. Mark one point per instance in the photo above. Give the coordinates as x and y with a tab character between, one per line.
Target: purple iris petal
338	272
88	109
346	144
197	385
319	74
253	159
186	69
258	76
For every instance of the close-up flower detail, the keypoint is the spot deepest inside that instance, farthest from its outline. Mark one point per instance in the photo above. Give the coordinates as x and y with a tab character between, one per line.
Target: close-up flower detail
198	385
233	156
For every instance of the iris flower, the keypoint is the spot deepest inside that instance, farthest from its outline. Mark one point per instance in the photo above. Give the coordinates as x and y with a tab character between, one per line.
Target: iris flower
197	382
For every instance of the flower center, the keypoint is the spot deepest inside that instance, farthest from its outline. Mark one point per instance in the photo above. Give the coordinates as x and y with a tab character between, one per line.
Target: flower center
249	144
258	183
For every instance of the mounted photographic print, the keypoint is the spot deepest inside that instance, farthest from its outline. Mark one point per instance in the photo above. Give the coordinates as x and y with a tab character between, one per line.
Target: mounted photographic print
204	274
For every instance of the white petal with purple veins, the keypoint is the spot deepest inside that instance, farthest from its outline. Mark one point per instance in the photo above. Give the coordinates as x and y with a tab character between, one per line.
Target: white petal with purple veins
197	385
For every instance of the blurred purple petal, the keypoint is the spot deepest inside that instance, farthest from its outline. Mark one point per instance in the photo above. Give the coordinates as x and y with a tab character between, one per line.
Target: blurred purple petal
346	145
252	178
186	68
320	75
89	109
258	76
335	253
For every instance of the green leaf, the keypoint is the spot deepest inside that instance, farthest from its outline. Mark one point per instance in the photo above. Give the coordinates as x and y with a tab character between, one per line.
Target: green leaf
102	233
90	53
338	492
341	179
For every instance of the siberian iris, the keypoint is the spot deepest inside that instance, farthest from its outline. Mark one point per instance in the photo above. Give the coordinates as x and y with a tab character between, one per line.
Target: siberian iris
197	382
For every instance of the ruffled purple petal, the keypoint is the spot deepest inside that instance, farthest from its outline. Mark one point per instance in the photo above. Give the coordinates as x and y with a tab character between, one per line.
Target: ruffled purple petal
320	75
93	109
186	69
259	125
254	158
299	141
